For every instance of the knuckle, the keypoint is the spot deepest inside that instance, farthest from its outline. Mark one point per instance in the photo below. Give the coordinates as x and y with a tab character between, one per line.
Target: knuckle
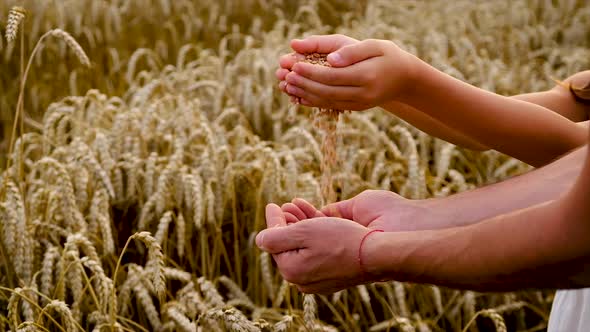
373	42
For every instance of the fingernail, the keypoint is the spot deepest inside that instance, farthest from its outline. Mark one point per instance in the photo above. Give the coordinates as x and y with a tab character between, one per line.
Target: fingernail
334	58
282	85
290	89
260	239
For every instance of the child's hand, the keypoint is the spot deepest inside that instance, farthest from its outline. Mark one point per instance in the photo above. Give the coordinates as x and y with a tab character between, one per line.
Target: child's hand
314	44
363	74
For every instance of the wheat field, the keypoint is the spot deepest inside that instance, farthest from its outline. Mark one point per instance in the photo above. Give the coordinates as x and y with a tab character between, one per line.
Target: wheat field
150	135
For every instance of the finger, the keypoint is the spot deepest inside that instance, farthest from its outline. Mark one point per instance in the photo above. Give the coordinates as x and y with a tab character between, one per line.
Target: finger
321	44
290	218
307	208
283	86
274	216
347	76
312	100
322	90
294	210
288	60
358	52
281	73
280	239
342	209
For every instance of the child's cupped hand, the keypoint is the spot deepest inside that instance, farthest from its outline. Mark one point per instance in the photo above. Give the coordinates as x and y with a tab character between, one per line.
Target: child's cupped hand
363	74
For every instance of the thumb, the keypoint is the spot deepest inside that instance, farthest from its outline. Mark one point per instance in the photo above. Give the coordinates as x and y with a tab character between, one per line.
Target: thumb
278	239
321	43
351	54
342	209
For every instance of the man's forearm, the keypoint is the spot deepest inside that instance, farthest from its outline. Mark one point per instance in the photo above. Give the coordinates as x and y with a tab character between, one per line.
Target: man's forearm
521	129
533	248
543	246
526	249
538	186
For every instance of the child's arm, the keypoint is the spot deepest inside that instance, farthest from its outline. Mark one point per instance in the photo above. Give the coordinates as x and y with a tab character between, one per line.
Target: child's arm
558	99
521	129
561	100
379	73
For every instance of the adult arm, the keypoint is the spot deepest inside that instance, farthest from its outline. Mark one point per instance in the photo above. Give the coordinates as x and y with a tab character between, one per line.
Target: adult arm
390	212
540	185
544	246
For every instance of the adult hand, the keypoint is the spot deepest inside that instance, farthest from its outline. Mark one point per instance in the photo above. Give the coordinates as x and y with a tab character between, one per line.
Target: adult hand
374	209
319	255
363	74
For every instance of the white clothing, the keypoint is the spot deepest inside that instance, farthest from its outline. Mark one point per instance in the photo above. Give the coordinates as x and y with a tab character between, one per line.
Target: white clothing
570	311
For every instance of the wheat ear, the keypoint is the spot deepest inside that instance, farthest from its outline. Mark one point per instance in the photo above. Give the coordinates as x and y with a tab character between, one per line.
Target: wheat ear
16	16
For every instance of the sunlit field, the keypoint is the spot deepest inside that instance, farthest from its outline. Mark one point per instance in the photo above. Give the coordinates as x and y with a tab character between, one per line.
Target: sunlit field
140	152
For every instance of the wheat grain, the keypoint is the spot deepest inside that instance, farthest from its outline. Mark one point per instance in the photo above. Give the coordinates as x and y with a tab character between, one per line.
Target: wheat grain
400	298
284	324
49	259
13	302
155	264
163	226
194	199
496	319
99	213
148	306
134	277
210	292
280	296
309	311
102	283
182	322
73	277
62	309
265	267
235	291
234	320
326	120
73	44
181	235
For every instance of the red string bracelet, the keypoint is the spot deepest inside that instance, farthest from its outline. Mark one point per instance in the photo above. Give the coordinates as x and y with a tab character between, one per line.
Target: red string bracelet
364	273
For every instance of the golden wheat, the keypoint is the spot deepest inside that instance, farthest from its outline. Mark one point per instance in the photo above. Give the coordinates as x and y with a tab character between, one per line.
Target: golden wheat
189	142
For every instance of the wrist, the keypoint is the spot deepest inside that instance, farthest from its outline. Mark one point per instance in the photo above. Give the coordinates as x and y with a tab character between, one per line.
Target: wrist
440	213
403	75
371	252
414	79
